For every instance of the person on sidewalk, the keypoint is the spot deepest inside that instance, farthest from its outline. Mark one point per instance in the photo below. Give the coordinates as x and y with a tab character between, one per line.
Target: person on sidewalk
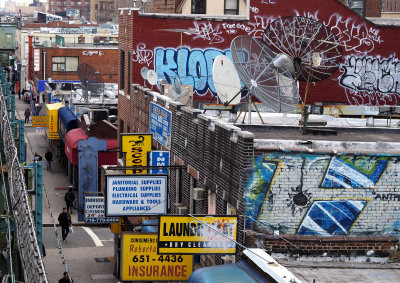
49	158
37	157
27	114
65	222
69	199
65	279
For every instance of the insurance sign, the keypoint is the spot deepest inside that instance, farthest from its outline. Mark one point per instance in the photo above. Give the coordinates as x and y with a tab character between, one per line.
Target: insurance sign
134	195
140	261
197	235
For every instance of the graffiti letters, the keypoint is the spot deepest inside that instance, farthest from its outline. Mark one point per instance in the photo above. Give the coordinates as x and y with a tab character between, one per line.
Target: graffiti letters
207	32
268	2
194	67
371	76
388	197
142	55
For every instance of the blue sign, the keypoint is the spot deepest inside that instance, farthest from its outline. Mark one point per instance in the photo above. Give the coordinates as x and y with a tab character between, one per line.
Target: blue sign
160	124
159	158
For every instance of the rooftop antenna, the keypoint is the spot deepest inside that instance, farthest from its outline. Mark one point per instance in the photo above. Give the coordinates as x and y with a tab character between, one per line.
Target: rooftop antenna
261	71
91	81
312	49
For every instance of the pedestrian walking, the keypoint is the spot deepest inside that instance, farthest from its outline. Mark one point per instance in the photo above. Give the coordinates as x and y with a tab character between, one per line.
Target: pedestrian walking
49	158
69	199
65	222
66	279
27	114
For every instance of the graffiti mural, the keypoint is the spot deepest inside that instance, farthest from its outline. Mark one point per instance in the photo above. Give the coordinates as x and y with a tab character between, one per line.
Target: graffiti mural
324	195
354	172
258	187
328	218
371	76
193	66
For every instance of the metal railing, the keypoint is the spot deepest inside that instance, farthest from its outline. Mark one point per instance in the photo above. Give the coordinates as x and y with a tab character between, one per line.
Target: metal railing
28	247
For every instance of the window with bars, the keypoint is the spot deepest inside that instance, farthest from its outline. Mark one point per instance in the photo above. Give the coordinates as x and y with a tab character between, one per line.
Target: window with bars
231	7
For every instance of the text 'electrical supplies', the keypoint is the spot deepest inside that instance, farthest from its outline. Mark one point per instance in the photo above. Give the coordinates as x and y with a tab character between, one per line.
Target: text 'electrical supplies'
207	235
140	261
134	195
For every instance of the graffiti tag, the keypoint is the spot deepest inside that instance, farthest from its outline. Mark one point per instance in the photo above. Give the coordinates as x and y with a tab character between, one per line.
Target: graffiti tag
142	55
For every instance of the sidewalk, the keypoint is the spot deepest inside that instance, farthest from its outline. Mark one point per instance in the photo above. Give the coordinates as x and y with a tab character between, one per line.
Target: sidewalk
38	142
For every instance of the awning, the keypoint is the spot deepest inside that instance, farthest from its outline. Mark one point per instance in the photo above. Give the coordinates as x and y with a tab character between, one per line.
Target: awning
67	121
228	273
71	148
71	144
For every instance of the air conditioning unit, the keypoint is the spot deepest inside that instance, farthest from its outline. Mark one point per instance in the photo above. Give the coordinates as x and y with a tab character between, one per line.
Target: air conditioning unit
228	259
182	210
178	204
198	193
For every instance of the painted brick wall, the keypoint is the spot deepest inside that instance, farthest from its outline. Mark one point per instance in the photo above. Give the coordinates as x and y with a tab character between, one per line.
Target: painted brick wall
324	195
157	45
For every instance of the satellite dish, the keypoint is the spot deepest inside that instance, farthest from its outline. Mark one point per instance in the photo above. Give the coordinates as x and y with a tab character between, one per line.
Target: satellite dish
143	72
91	81
226	80
257	68
50	80
313	50
176	89
152	77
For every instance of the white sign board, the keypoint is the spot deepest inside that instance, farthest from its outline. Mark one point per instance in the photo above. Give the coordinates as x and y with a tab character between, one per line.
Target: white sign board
94	211
36	60
129	195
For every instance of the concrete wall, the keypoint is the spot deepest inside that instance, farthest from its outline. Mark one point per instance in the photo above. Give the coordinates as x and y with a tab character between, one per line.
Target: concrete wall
324	195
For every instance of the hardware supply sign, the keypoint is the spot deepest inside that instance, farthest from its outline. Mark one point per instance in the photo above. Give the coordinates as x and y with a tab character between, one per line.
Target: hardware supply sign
140	261
187	235
94	211
160	124
134	195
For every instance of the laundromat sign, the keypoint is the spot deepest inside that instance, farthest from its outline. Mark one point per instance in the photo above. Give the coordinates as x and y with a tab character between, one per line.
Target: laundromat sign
200	235
136	147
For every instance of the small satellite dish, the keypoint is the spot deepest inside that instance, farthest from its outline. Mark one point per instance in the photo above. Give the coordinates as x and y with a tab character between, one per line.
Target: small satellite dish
50	80
143	72
176	89
152	77
226	80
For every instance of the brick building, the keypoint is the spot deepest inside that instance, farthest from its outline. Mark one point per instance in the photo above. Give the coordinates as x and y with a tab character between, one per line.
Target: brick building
82	7
341	187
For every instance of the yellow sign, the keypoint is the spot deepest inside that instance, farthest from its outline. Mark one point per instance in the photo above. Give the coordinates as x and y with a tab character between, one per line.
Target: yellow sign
136	147
207	235
40	121
52	113
140	261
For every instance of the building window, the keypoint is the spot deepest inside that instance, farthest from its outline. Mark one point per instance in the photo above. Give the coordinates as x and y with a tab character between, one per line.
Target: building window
194	203
198	6
231	7
179	198
121	70
121	126
64	64
129	73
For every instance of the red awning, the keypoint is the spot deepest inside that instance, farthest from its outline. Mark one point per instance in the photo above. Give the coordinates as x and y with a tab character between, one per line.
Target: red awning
71	148
71	144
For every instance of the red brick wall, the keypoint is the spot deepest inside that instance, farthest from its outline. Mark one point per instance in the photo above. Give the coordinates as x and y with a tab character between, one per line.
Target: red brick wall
156	45
106	65
373	8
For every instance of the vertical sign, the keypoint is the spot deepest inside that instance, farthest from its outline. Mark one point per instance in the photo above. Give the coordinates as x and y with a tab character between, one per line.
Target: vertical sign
88	163
136	147
160	124
94	211
140	261
36	60
159	158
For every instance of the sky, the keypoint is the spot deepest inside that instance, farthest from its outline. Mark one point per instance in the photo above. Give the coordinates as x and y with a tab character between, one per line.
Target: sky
2	2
